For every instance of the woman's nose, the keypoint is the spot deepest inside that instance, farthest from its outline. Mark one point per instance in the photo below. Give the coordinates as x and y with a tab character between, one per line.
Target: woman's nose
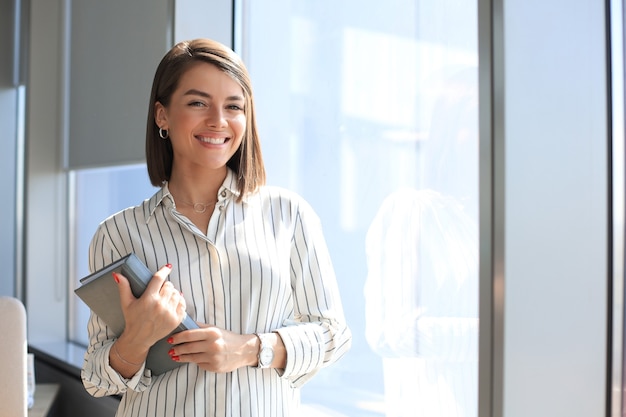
215	116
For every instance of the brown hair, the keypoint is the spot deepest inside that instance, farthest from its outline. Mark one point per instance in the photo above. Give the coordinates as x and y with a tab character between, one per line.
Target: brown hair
247	162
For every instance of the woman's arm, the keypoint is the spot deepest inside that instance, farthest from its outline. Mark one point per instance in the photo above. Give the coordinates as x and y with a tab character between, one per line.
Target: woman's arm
318	335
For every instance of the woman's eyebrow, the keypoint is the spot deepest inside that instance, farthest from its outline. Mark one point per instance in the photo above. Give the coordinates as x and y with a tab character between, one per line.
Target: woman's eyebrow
194	92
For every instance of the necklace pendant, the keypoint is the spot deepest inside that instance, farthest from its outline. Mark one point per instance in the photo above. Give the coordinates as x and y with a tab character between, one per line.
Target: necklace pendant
199	207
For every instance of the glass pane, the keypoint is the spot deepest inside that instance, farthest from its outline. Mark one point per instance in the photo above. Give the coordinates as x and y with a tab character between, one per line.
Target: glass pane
369	110
98	193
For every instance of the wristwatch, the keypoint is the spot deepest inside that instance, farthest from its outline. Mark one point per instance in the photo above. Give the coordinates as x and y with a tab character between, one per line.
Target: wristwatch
266	352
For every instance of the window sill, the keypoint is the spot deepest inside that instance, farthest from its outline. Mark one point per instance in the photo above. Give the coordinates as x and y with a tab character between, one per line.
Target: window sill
65	356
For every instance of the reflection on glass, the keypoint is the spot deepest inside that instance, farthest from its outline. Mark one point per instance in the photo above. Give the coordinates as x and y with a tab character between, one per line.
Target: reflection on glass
369	110
422	310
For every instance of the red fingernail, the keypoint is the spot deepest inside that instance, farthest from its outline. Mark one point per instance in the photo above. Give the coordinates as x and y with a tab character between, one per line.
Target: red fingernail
169	266
170	340
171	352
116	278
175	358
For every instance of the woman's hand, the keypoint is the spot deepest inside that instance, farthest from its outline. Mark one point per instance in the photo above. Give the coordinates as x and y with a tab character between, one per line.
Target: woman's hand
218	350
149	318
214	349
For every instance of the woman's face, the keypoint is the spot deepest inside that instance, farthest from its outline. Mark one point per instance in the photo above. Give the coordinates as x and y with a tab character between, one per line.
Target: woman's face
205	118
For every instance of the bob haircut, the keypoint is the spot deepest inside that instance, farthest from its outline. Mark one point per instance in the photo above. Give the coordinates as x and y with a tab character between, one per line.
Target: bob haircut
247	162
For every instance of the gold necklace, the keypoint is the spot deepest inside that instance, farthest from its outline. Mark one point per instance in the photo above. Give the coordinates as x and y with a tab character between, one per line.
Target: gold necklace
199	207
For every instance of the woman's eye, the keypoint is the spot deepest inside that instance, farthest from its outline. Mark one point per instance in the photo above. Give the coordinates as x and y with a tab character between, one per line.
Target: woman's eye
196	104
235	107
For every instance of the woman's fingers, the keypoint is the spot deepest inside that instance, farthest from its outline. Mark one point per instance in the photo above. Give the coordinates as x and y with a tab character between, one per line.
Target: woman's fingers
160	277
126	295
158	311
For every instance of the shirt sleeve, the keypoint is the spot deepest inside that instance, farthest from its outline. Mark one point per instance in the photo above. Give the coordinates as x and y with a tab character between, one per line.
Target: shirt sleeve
99	378
318	335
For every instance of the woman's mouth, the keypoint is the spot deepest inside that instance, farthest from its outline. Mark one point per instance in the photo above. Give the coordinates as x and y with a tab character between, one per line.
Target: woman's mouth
212	141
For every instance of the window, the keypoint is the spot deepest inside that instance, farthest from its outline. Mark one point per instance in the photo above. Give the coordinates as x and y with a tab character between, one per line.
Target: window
99	193
369	110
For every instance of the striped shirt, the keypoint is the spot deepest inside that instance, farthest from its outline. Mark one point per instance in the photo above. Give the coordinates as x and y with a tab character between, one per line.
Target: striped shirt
262	266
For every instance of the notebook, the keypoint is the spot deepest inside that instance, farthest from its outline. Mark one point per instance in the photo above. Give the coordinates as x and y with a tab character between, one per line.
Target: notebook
100	292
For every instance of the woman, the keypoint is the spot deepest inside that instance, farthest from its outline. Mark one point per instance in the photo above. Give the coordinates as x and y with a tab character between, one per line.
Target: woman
248	262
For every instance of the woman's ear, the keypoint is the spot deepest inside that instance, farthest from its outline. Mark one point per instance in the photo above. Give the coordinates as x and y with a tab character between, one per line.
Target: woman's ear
160	115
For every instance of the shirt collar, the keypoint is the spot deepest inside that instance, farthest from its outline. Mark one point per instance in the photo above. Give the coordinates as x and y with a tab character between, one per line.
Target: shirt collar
228	189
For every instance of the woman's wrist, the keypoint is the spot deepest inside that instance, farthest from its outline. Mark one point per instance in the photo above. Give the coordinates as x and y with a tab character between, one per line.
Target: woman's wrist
121	358
130	351
273	342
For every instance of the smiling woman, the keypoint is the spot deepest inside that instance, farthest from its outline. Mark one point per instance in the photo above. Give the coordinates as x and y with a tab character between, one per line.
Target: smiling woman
255	271
185	76
205	121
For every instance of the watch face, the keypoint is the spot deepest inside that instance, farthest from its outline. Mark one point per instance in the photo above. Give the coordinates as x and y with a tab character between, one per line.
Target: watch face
266	356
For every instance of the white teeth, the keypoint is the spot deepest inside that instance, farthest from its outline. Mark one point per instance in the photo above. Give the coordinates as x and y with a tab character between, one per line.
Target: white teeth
213	141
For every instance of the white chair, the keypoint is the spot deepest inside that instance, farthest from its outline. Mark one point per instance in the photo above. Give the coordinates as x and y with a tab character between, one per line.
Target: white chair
13	359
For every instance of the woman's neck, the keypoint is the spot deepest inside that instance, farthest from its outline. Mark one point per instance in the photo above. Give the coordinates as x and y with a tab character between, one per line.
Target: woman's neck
194	188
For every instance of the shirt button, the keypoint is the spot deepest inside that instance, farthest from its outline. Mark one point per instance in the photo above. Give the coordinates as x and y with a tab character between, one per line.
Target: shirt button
221	208
224	193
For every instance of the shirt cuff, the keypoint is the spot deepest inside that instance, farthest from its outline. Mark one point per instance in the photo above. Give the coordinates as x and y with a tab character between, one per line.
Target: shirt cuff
305	349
